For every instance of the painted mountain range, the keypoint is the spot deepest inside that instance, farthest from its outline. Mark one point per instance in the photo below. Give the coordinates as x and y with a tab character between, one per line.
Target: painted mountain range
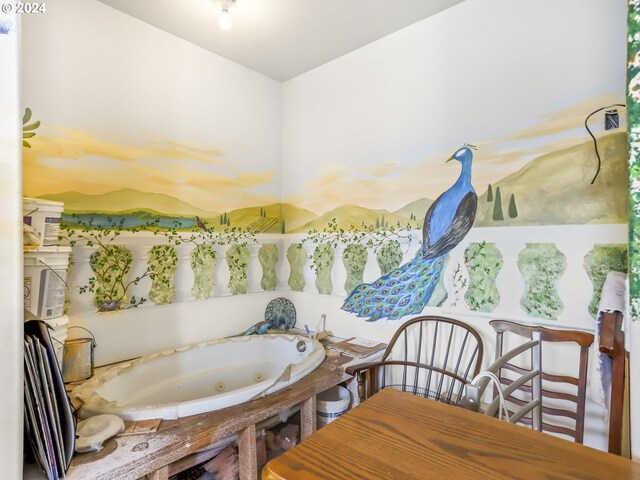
552	189
124	200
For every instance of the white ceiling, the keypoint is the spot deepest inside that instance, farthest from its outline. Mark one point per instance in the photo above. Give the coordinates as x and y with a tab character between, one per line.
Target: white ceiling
282	38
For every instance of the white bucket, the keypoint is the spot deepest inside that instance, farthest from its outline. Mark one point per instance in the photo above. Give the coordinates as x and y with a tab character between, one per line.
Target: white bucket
45	271
59	335
44	217
332	403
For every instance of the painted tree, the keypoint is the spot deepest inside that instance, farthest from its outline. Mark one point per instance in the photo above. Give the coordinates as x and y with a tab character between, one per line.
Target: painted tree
377	222
283	229
513	210
498	215
490	193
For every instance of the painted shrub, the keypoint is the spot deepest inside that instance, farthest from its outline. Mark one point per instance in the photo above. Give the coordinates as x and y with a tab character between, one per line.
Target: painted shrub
541	265
163	260
268	256
389	256
237	259
110	266
354	259
297	257
203	264
483	261
323	258
598	263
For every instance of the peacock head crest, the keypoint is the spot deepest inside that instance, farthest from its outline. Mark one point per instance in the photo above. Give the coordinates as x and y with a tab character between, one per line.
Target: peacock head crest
464	154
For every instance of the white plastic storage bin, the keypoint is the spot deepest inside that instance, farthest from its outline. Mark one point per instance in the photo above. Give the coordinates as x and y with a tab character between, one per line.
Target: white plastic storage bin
44	217
45	273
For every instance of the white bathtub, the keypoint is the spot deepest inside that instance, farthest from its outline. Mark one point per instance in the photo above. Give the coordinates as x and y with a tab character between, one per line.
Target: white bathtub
199	378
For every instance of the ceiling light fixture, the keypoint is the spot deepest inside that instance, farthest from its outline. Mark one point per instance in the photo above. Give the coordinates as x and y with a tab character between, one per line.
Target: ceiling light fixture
225	21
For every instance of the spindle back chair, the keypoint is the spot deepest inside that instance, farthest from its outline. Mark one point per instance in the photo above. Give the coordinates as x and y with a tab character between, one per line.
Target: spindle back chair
429	356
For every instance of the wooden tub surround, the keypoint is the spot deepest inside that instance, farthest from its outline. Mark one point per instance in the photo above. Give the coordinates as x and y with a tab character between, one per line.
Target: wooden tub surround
131	457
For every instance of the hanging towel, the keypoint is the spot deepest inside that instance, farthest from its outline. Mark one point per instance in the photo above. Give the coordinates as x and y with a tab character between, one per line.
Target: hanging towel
612	300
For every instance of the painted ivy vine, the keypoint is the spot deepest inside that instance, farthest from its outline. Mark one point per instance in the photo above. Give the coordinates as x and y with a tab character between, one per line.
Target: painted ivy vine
110	282
202	235
369	236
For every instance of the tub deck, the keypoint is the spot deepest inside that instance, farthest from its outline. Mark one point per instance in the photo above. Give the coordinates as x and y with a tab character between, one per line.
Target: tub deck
131	457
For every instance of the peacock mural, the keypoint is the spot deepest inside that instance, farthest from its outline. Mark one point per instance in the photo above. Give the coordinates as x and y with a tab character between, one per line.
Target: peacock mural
407	289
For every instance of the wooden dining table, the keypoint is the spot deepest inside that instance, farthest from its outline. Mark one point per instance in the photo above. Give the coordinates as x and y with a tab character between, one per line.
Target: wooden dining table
395	435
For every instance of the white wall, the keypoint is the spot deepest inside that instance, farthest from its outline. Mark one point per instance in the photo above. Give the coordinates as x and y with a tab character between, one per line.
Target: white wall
485	70
10	252
477	72
482	71
90	68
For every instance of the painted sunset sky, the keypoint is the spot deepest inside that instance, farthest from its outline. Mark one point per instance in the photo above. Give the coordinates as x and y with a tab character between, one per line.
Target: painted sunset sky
226	176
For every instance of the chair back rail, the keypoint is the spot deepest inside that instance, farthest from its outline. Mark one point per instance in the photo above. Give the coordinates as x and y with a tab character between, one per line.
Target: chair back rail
431	356
576	410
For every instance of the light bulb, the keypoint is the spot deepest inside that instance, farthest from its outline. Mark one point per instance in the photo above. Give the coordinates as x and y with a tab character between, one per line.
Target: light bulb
225	21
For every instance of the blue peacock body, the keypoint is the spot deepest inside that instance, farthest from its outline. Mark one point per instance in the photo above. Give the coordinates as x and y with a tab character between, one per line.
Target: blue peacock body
407	289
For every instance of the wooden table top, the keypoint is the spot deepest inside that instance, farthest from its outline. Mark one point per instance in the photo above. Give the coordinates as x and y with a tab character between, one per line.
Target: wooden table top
395	435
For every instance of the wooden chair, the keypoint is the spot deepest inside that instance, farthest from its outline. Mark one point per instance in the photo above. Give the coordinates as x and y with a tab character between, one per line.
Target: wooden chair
531	408
563	397
429	356
612	345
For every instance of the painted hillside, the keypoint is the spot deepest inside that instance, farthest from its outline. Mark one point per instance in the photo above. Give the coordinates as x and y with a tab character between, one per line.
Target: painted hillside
266	219
348	215
552	189
555	189
136	208
417	209
126	200
295	217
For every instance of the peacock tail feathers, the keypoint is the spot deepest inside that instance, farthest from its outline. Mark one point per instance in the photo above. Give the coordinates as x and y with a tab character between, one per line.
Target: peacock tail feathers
403	291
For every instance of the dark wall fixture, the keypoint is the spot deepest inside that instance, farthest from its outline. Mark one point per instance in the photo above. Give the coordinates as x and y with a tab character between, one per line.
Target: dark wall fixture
611	119
611	122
